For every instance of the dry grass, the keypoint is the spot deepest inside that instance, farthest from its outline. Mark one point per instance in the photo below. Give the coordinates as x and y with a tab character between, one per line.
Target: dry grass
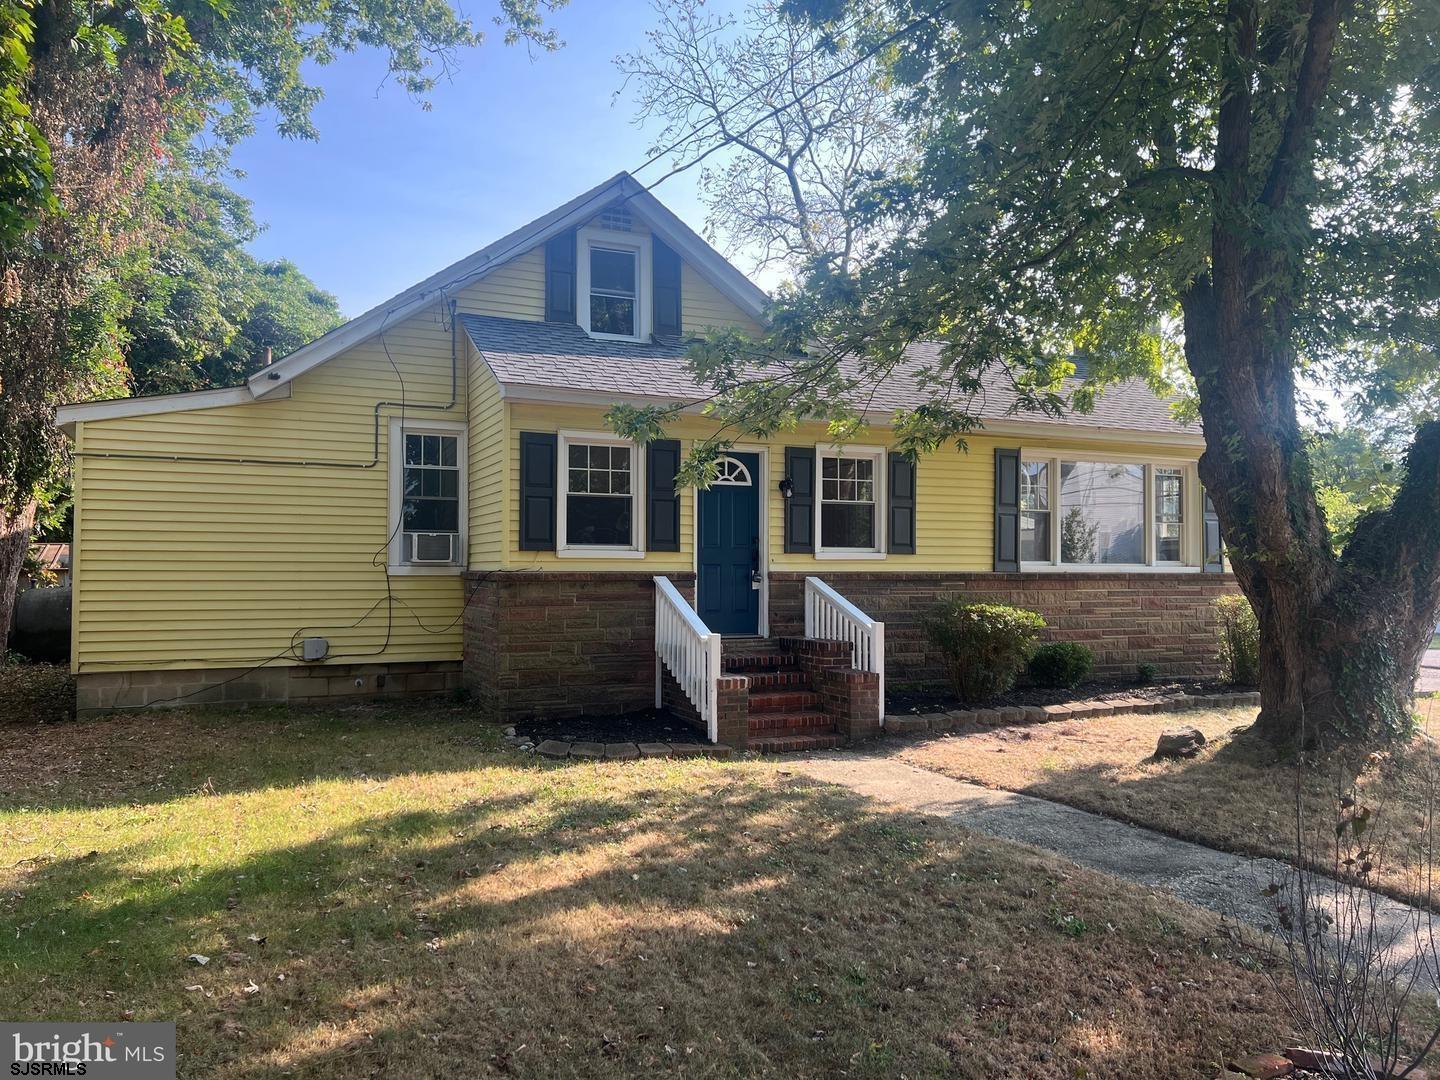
385	893
1234	795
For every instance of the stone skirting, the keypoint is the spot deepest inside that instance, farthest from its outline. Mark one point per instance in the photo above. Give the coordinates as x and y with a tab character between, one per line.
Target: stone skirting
1127	619
185	688
561	643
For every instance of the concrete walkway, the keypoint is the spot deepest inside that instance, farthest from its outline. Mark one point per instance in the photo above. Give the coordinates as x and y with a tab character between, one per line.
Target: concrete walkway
1429	680
1225	883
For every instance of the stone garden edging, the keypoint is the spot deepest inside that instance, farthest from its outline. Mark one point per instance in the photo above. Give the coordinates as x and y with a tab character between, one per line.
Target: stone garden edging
1044	714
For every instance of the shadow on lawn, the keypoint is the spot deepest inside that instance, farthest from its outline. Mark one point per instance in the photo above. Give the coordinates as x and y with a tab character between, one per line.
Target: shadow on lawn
729	928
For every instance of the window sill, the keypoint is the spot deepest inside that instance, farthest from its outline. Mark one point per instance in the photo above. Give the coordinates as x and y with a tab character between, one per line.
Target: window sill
841	553
411	570
1107	568
636	340
598	553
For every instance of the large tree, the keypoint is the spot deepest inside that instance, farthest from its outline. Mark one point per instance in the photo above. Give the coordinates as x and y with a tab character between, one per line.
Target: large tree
790	124
96	100
1252	186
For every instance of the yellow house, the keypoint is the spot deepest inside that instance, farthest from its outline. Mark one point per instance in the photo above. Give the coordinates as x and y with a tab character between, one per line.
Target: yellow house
428	498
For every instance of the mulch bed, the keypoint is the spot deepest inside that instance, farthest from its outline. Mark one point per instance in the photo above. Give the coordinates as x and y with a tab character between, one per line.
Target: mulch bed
922	702
644	725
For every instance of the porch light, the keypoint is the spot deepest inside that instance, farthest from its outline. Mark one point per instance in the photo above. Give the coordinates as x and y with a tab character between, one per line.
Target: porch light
787	487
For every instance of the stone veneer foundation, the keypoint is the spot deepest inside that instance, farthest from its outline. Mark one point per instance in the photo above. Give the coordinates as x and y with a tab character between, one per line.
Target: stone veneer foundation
1127	619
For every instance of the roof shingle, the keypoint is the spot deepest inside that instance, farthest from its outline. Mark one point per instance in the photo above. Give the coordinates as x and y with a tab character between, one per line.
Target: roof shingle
562	356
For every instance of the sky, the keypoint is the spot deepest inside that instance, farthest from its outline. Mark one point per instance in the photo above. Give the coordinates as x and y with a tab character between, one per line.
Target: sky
391	193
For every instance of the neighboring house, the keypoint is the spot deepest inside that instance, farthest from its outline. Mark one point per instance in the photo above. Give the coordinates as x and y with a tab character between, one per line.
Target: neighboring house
48	565
428	497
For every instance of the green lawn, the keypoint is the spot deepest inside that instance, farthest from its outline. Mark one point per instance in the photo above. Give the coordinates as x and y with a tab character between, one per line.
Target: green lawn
385	892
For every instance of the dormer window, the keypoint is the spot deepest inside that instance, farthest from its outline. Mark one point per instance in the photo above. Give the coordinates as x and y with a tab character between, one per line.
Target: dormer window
613	278
612	291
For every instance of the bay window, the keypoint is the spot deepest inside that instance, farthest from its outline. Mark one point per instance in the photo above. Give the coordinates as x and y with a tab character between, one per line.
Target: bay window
599	512
849	500
1076	513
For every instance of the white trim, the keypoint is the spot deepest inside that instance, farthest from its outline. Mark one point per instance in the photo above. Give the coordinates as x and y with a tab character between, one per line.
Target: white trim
564	550
395	564
67	416
875	453
639	245
763	495
702	257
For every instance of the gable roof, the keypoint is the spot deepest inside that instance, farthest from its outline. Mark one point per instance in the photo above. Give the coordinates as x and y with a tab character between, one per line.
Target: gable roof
748	296
559	362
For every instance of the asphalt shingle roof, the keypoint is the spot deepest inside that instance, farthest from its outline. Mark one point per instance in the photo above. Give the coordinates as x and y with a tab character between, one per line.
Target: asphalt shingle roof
562	356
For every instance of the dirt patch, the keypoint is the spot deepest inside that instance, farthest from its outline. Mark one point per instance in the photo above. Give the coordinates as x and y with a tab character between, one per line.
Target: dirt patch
920	702
645	725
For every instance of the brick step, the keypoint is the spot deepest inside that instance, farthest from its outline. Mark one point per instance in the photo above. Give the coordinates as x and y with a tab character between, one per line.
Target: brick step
764	682
790	700
743	663
784	744
791	721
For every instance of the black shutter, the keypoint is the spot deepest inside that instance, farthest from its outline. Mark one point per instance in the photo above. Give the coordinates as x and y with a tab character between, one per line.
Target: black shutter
560	278
1214	547
662	510
665	271
1007	511
900	536
800	507
537	490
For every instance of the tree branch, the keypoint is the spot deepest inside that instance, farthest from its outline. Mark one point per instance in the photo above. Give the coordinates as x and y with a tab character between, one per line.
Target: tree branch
1311	83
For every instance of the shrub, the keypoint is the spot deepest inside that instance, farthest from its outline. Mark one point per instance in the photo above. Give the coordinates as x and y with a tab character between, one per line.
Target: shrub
983	646
1239	633
1061	664
1146	673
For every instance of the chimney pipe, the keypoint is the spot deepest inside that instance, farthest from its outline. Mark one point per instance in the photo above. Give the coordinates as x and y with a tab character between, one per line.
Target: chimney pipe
269	357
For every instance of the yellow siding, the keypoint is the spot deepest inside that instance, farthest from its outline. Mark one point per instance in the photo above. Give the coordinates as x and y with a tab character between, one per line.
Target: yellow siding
514	291
955	497
703	306
488	443
190	564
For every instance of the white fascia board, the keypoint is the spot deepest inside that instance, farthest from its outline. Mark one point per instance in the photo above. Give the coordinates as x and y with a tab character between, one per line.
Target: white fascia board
465	272
67	416
713	266
690	245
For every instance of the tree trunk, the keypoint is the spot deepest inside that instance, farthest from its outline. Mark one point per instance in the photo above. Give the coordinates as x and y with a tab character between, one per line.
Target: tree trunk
14	543
1340	639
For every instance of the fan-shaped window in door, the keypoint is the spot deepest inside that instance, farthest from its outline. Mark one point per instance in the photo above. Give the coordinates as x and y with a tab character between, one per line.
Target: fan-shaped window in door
732	473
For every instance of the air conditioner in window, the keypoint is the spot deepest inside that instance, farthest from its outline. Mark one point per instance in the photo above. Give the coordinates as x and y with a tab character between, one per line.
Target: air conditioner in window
431	547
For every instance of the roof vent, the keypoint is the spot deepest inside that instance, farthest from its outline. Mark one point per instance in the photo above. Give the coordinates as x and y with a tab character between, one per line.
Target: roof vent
616	218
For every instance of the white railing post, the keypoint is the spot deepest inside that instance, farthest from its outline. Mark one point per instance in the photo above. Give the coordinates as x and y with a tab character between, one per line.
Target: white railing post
685	646
829	616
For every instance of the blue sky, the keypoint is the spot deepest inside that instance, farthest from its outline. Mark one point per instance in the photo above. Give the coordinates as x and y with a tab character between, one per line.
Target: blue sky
391	193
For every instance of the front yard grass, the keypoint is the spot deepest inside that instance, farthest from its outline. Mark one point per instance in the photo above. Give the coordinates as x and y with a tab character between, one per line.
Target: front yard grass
385	892
1234	795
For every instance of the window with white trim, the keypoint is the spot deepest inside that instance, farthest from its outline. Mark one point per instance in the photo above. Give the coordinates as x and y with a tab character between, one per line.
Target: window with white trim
849	502
1078	513
1169	515
427	485
599	506
612	277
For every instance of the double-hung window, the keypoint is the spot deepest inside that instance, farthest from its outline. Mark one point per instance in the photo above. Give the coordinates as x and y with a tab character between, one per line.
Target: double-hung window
599	509
613	278
1077	513
427	484
848	506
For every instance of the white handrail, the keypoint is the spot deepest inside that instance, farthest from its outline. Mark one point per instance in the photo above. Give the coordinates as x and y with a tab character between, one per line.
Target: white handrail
830	616
690	651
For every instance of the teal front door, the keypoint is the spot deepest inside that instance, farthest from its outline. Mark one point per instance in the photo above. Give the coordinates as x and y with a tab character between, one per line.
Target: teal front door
727	587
